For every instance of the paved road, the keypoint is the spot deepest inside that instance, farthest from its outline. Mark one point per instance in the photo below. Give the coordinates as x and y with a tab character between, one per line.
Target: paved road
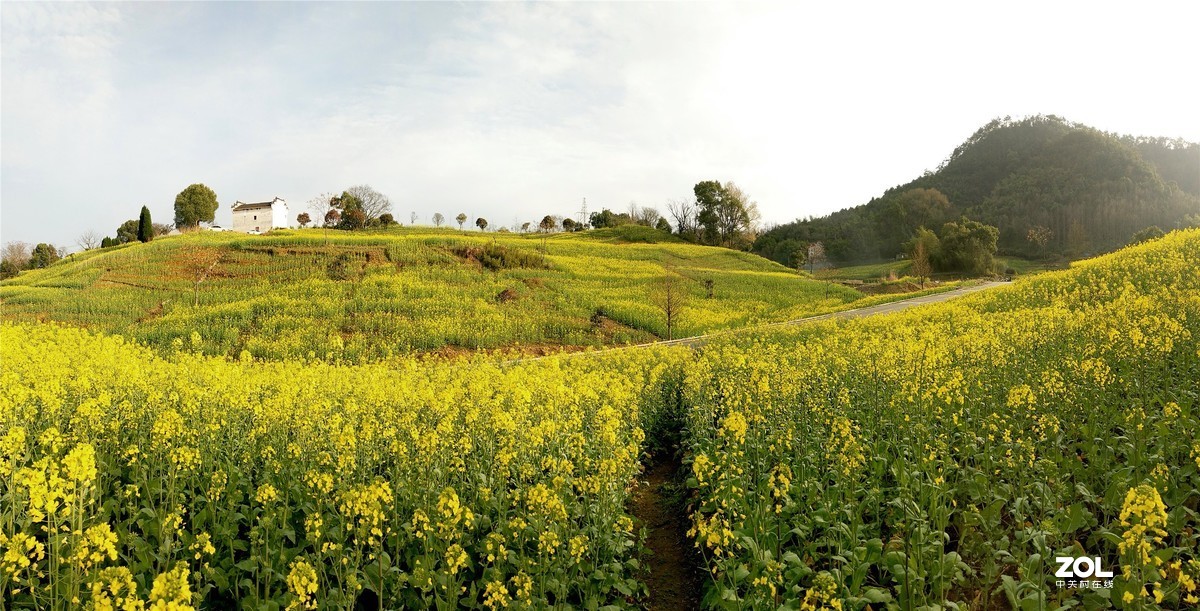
883	308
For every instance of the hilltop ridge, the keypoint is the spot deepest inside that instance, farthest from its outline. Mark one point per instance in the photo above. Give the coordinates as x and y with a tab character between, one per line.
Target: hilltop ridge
1091	190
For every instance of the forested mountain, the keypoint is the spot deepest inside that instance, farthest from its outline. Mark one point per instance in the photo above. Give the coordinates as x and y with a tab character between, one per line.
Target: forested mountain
1080	190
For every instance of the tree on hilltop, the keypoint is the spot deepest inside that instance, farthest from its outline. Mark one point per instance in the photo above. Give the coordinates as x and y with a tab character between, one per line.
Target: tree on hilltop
194	205
481	223
372	203
725	214
145	230
43	255
461	218
89	239
127	231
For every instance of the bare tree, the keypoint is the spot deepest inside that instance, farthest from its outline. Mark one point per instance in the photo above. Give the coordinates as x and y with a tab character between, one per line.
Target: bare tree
18	253
684	213
412	218
322	204
324	207
374	203
199	262
88	239
670	295
438	219
920	262
816	255
644	215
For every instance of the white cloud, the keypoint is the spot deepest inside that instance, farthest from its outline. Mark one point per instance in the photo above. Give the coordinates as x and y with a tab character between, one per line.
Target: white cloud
503	109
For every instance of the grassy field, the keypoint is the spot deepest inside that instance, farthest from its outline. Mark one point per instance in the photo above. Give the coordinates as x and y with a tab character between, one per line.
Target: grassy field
936	458
365	296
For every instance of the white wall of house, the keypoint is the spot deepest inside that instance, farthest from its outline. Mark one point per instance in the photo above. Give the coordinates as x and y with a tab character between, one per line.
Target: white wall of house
261	217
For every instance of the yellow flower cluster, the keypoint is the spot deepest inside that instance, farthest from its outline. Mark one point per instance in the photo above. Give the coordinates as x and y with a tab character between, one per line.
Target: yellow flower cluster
93	546
115	590
172	590
302	583
1144	517
21	552
842	448
365	508
822	594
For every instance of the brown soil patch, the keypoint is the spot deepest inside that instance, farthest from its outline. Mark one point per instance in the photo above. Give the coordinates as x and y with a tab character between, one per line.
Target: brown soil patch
506	296
675	577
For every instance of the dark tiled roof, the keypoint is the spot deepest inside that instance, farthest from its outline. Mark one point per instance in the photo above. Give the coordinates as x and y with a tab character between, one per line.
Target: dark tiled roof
244	206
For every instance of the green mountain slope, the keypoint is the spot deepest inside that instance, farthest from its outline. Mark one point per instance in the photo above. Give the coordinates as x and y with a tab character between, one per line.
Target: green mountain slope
1091	189
362	296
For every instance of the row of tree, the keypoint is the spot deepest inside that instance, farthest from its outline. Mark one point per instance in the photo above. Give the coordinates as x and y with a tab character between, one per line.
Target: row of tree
18	256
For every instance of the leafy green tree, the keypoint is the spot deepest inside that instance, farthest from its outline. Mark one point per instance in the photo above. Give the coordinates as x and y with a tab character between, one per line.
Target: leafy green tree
799	257
1145	235
923	249
351	210
725	214
608	218
569	224
663	225
43	255
127	232
8	269
481	223
461	218
968	246
548	223
194	205
145	230
901	216
107	242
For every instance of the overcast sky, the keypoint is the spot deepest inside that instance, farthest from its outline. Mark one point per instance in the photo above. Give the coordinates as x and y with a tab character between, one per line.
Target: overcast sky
513	111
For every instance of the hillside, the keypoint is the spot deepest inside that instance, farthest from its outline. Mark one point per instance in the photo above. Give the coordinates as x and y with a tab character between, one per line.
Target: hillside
933	458
1091	189
361	296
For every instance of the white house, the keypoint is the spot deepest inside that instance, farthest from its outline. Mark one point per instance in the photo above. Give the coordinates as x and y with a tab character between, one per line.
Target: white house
260	217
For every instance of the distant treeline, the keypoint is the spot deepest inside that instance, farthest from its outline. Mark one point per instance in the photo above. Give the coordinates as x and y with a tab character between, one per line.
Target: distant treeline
1053	189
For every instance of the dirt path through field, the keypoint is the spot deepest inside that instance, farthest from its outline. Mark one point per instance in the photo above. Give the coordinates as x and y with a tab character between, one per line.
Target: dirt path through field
675	577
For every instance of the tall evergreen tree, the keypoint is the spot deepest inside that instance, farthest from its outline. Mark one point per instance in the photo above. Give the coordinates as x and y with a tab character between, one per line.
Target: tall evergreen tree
145	230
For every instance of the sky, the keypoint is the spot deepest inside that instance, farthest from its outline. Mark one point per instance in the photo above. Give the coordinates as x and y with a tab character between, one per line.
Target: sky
513	111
